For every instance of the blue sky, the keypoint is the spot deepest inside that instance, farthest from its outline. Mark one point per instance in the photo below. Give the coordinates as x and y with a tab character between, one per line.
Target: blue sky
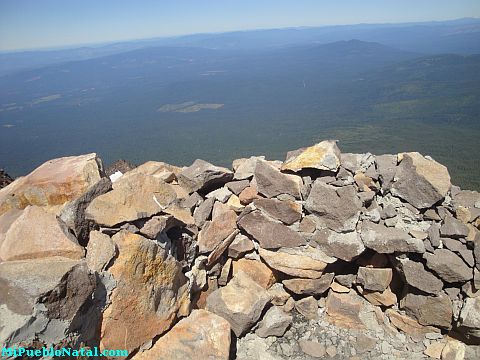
49	23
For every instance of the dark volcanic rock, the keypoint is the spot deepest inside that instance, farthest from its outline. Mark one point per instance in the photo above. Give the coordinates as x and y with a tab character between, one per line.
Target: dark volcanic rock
120	165
5	179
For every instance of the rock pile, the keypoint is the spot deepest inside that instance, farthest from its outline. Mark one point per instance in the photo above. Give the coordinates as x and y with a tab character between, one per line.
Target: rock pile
324	255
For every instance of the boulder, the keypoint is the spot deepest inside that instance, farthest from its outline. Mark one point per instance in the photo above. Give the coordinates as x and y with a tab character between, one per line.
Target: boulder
278	294
357	163
286	211
258	271
53	183
201	334
345	246
215	231
203	176
429	310
373	279
242	312
100	251
415	275
448	266
150	292
309	286
274	323
299	262
337	208
248	194
38	234
322	156
270	182
132	198
420	181
269	234
387	240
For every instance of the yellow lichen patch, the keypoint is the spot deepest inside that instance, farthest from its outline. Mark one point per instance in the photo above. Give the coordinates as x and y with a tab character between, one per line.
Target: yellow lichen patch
322	156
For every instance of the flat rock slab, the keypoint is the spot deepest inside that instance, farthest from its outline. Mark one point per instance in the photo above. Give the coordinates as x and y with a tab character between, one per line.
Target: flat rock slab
448	266
201	335
53	183
345	246
322	156
420	181
387	240
38	234
429	310
151	290
409	325
271	182
215	231
135	197
374	279
337	208
453	228
286	211
269	234
299	262
203	176
415	275
309	286
241	311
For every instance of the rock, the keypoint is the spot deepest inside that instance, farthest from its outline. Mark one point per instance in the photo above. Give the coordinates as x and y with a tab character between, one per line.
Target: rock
38	234
379	298
157	169
246	168
133	197
322	156
429	310
453	228
337	208
415	275
386	167
345	310
203	176
408	325
5	179
73	213
235	204
100	250
258	271
242	312
356	163
300	262
47	300
239	246
448	266
158	224
287	212
270	234
151	291
346	280
202	213
386	240
180	214
274	323
248	194
469	319
345	246
434	350
221	248
364	344
331	351
192	201
237	186
420	181
309	286
271	182
312	348
222	194
374	279
339	288
201	334
308	224
215	231
278	294
121	165
308	307
53	183
453	350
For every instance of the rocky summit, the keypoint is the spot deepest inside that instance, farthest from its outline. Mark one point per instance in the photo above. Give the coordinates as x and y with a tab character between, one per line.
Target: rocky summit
325	255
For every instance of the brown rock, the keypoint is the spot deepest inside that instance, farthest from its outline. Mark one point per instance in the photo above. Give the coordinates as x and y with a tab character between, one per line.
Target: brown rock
237	186
201	334
374	279
239	246
345	246
151	290
38	234
409	325
307	225
157	169
429	310
312	348
434	350
308	307
287	211
377	298
215	231
453	350
53	183
270	234
343	310
271	182
309	286
448	266
100	250
322	156
258	271
248	194
203	176
157	224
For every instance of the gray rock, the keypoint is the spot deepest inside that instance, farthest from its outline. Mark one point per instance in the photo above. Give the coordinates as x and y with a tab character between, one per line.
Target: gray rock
202	213
453	228
222	194
469	319
387	240
157	224
345	246
374	279
192	201
100	250
346	280
269	234
357	162
271	182
239	246
287	211
274	323
448	266
434	235
429	310
237	186
246	168
415	275
339	209
203	176
386	168
308	307
312	348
